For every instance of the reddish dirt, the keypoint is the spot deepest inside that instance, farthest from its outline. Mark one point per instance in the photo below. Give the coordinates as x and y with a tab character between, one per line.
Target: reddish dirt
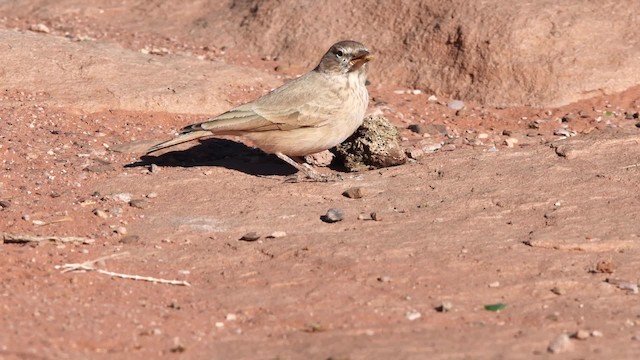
482	223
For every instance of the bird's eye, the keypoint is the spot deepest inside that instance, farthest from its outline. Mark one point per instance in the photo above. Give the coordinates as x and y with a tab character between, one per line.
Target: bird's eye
339	53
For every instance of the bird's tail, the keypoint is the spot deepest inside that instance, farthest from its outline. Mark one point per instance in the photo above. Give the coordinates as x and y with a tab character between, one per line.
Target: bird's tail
188	134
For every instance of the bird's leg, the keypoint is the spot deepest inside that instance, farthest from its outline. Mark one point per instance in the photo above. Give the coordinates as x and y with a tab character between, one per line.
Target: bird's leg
309	172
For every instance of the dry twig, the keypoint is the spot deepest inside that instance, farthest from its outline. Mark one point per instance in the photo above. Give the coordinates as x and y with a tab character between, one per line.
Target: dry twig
23	238
90	266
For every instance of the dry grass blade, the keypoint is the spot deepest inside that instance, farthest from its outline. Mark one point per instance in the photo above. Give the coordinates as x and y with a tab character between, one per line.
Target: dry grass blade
90	266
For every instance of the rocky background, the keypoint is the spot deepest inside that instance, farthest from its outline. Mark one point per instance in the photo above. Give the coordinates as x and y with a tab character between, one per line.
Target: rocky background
511	231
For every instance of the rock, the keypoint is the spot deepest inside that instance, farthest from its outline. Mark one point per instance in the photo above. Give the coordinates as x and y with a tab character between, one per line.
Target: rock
596	333
130	239
566	151
277	234
154	169
494	284
321	159
605	267
121	230
558	291
510	142
384	279
455	105
412	315
100	213
375	216
41	28
333	215
446	306
122	197
432	148
581	335
376	144
499	71
560	344
417	128
432	98
353	193
250	236
564	132
114	77
4	204
139	203
414	153
152	195
448	147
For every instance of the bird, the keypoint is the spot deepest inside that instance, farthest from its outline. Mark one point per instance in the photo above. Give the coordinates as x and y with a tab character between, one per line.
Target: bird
309	114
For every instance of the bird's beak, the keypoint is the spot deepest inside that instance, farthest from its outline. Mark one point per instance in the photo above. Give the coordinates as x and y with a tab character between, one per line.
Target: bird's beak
362	58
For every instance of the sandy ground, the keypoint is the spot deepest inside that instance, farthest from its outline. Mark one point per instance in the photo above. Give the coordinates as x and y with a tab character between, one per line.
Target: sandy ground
511	209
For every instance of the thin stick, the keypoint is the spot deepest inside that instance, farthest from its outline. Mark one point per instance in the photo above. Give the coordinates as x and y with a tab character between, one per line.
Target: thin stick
630	166
23	238
90	266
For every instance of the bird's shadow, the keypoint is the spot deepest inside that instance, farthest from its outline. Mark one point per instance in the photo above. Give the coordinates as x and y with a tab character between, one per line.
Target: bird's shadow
221	152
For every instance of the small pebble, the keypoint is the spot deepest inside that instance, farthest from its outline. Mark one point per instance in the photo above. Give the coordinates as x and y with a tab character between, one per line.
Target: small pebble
26	217
506	132
250	236
566	152
448	147
494	284
596	333
116	211
432	98
564	132
100	213
130	239
558	291
277	234
353	193
231	317
121	230
139	203
38	222
124	197
333	215
446	306
413	315
384	279
375	216
41	28
152	195
4	204
581	335
432	148
414	153
154	169
455	105
483	136
560	344
510	142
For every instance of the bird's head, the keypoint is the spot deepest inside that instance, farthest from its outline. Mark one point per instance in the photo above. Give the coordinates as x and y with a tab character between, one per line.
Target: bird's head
345	57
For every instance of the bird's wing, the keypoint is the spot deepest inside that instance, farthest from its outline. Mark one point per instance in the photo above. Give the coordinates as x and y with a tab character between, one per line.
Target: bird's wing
309	101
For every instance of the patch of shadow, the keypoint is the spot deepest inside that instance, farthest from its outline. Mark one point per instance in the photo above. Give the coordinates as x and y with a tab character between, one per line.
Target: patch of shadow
222	153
